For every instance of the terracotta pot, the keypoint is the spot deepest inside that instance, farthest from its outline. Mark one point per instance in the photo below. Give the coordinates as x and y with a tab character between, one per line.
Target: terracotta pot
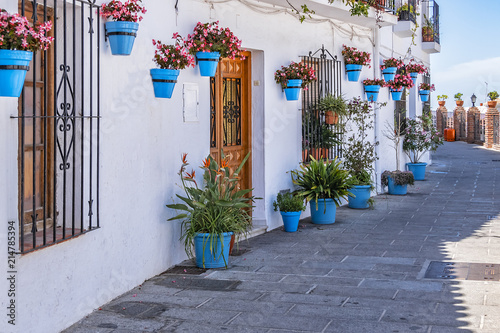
305	154
460	103
319	153
441	103
331	118
492	104
231	244
427	34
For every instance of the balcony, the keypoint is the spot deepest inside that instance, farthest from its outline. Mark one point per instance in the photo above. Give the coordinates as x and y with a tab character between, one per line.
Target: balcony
430	28
406	10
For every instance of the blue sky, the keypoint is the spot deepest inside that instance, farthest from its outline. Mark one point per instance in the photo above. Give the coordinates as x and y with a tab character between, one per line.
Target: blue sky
470	51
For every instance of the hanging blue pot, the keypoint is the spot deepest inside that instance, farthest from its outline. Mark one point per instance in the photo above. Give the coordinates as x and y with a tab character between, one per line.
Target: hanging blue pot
164	81
353	72
414	76
360	196
208	61
292	90
290	221
389	73
418	170
396	189
396	95
13	67
121	35
372	92
212	252
322	215
424	95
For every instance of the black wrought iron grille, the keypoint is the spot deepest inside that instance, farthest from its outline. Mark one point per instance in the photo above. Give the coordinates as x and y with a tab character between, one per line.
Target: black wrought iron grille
400	113
426	106
231	111
388	6
59	127
314	128
435	21
406	10
213	119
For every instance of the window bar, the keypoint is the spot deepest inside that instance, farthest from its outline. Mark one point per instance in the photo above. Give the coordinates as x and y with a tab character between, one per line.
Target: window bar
91	111
73	121
64	119
82	162
34	138
21	151
45	108
98	111
55	121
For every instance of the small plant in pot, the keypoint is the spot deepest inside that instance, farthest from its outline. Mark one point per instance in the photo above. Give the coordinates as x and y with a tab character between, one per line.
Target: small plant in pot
458	99
290	207
359	152
323	184
397	181
492	95
214	213
294	77
424	90
333	107
442	99
420	137
390	67
354	62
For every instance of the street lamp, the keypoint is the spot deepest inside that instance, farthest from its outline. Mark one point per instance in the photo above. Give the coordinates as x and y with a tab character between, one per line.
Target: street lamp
473	99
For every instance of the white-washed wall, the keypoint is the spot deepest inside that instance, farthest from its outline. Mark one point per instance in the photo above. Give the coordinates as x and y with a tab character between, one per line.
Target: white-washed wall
142	140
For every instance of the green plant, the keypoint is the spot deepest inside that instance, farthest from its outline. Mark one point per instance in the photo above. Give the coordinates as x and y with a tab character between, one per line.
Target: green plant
404	9
295	71
333	103
322	180
216	208
493	95
442	97
458	96
359	152
428	24
420	136
287	202
329	138
399	177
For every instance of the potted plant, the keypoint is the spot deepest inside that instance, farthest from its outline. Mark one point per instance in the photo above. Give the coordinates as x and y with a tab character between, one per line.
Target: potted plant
329	139
458	99
333	107
354	60
397	85
427	30
293	77
171	59
359	153
397	181
212	213
18	41
209	43
372	88
414	69
424	90
323	184
290	207
390	67
122	29
420	136
492	95
442	99
405	12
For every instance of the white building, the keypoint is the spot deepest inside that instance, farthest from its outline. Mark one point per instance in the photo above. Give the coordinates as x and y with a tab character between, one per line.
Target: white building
113	150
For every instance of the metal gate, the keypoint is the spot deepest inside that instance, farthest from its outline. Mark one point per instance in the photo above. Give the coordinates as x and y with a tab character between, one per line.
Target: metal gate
319	139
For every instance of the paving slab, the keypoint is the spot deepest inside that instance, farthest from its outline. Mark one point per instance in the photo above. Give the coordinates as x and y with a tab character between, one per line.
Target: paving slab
365	273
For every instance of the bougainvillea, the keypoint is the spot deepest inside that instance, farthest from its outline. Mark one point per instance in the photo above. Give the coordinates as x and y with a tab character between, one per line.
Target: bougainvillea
210	37
353	56
16	33
117	11
295	71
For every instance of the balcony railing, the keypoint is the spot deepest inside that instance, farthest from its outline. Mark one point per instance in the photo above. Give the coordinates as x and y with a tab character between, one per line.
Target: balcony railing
406	10
389	6
430	29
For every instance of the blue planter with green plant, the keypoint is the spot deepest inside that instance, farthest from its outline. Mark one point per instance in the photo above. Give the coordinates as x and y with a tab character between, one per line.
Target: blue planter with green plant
290	207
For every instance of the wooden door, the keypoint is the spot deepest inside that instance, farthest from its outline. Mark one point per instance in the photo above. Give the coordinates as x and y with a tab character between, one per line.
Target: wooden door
230	122
36	107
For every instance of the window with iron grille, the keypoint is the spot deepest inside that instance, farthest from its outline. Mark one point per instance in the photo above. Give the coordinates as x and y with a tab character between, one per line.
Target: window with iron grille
59	126
400	113
319	139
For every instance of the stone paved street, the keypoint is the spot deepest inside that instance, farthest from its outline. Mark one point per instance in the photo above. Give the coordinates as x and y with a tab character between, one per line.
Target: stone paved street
365	273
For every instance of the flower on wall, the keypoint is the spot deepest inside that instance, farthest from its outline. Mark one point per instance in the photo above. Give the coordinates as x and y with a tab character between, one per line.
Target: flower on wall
295	71
400	81
175	56
129	11
16	33
210	37
413	67
392	62
355	57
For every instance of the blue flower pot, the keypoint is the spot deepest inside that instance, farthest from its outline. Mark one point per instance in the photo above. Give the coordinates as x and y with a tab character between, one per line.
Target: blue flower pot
389	73
292	90
13	67
414	76
320	215
121	35
291	220
372	92
353	72
360	196
418	170
396	95
164	81
424	95
208	61
213	255
396	189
